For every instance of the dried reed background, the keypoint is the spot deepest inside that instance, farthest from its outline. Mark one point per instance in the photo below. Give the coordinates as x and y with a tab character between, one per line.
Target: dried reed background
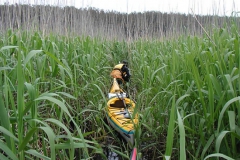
111	25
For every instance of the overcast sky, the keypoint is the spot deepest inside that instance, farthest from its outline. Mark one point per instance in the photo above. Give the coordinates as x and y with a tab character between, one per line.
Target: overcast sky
219	7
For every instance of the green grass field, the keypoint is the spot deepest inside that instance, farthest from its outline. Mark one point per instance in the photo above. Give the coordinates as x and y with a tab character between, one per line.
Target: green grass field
53	92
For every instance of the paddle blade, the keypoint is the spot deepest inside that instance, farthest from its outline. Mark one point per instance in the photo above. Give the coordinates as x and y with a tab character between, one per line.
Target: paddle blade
134	154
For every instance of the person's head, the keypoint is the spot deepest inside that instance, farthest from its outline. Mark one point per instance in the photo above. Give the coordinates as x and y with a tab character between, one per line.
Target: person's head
125	63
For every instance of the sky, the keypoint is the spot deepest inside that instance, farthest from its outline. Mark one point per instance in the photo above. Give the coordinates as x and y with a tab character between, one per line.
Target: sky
201	7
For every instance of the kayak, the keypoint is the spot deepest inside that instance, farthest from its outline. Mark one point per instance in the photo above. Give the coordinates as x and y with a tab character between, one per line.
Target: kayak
120	113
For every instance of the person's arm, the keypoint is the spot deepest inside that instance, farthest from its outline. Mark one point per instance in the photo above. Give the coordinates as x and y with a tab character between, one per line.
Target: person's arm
127	75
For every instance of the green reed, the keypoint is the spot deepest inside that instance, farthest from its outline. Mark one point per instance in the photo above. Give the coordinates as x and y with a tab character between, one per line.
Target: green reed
53	93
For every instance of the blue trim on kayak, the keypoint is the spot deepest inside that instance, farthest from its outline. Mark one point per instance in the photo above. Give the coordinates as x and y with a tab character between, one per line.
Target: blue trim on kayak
127	132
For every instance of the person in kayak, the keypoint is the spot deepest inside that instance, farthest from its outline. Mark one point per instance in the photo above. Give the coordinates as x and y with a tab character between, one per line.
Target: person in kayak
121	72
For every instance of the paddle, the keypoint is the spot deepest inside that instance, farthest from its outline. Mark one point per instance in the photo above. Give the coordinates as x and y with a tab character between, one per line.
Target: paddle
134	151
134	154
126	113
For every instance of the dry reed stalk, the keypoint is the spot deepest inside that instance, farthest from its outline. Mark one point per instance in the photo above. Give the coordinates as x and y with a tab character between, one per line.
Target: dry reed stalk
203	28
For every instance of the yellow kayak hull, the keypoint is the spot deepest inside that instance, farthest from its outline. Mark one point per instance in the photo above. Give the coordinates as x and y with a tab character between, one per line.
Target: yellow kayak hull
121	119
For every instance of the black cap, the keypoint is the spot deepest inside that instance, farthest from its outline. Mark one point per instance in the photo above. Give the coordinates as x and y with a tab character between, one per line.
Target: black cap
124	62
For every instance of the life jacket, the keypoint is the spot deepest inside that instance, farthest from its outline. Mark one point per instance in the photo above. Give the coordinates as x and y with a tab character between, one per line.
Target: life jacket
117	72
118	67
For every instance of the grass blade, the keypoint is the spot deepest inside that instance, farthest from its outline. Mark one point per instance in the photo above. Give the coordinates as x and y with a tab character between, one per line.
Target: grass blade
170	133
37	154
7	151
20	101
218	155
27	139
5	122
219	140
182	137
30	55
51	137
8	47
232	115
225	107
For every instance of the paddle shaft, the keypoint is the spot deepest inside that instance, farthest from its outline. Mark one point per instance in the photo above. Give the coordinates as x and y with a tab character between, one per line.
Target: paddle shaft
127	114
123	101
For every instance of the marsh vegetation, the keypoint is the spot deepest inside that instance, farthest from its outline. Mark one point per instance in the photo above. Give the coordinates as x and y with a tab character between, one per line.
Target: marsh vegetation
54	78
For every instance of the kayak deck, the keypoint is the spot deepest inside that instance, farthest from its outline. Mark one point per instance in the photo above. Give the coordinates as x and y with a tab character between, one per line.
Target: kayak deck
120	112
120	116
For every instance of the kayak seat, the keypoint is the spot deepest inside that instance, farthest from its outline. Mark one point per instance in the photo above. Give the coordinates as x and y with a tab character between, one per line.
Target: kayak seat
117	104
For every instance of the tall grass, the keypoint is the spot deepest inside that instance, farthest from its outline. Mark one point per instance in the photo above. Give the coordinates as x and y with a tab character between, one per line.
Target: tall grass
53	89
40	100
207	77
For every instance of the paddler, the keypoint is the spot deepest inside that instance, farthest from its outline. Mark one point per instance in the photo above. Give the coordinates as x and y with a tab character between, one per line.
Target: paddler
121	72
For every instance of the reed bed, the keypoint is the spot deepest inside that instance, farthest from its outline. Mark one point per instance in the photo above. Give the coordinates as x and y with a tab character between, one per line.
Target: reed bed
68	21
53	91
